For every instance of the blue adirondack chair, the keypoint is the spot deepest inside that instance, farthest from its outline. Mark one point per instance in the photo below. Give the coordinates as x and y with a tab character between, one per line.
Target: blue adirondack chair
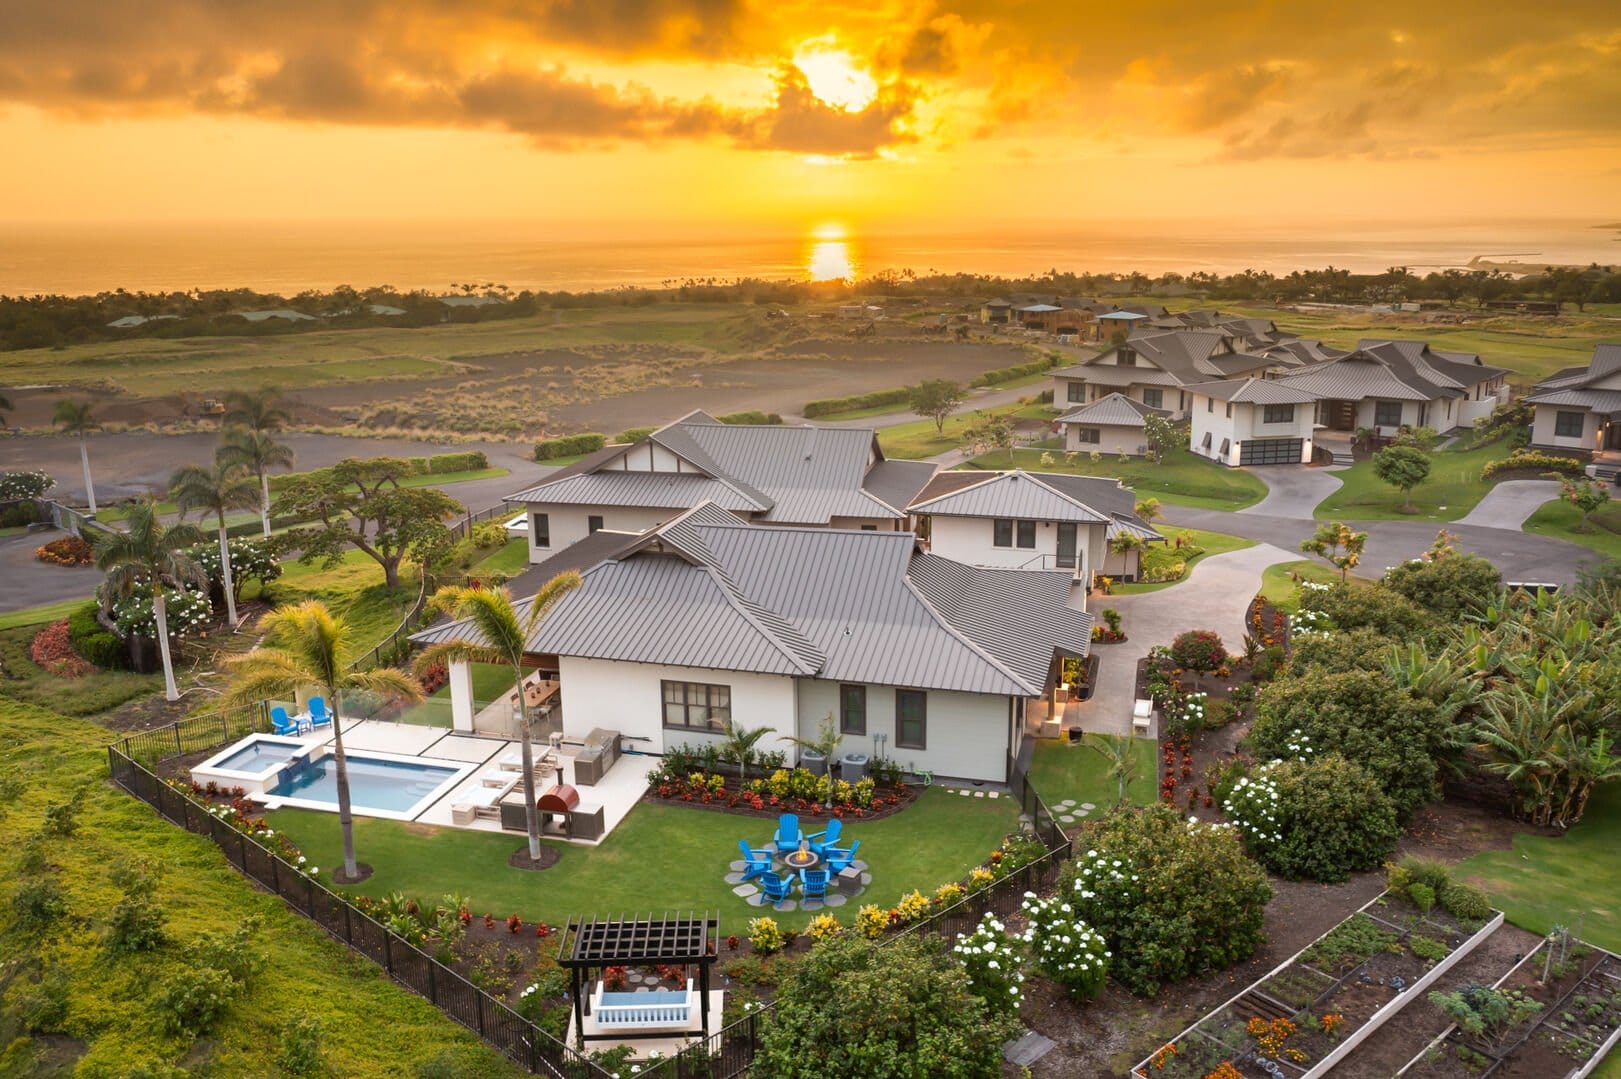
757	862
788	835
827	838
284	724
776	888
839	858
813	883
319	716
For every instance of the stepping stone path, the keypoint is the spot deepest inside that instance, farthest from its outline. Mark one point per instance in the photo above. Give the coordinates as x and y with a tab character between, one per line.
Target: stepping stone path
734	877
744	890
836	900
1027	1050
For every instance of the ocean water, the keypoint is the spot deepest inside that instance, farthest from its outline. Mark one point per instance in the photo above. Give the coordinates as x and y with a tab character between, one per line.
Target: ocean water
291	258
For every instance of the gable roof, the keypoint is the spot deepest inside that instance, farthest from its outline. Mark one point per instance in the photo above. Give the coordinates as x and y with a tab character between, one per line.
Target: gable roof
1574	387
1173	358
1010	494
1259	391
1116	410
1102	499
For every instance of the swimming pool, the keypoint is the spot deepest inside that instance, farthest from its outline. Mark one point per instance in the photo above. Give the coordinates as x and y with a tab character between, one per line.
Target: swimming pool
376	783
258	756
252	764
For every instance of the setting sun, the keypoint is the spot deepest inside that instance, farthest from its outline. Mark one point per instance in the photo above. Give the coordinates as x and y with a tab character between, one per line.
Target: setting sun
830	260
835	79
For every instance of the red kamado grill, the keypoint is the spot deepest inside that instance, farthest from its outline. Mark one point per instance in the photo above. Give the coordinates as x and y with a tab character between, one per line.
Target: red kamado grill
562	799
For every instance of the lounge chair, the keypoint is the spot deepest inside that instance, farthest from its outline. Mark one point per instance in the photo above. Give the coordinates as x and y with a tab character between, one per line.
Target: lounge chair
284	723
813	883
788	834
827	838
839	858
776	888
757	862
319	716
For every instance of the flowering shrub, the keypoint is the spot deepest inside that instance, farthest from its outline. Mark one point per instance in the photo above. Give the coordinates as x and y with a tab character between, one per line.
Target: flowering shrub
52	649
823	927
1321	819
67	551
18	485
871	921
613	978
249	558
980	878
1198	650
947	894
913	905
433	678
994	961
1064	947
765	935
1311	618
185	609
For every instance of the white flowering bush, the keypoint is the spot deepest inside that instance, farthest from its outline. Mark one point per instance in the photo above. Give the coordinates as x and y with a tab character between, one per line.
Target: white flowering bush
994	960
249	558
1252	807
1311	618
17	485
186	610
1064	947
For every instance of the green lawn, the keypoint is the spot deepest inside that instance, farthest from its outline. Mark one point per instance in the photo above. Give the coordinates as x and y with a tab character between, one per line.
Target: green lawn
112	1016
1181	479
1212	542
509	560
354	589
37	616
1280	583
917	440
86	695
1074	770
659	858
1453	488
1559	519
490	681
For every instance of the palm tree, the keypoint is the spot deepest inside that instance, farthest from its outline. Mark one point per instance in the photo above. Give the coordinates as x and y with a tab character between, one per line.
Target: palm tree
1149	509
75	419
148	553
307	646
739	746
1117	753
256	410
257	452
500	634
216	490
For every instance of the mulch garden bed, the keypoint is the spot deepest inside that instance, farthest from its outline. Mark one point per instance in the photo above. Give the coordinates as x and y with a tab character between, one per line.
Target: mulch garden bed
896	798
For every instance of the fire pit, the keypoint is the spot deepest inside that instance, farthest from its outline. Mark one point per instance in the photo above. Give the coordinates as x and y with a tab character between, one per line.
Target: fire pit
803	858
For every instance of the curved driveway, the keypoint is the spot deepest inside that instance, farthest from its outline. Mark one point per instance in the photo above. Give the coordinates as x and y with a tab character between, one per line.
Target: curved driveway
1293	491
1510	503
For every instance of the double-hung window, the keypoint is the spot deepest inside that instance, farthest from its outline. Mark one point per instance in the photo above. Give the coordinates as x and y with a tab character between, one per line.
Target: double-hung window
1569	424
852	709
1278	414
697	706
911	719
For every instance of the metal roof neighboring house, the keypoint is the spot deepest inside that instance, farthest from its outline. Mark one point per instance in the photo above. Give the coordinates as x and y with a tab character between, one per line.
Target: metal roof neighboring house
1173	358
280	312
129	322
1010	494
1116	410
1258	391
1573	386
658	490
470	301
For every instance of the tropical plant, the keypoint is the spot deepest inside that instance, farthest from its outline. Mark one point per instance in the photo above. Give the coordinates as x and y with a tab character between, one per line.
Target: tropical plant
1444	581
217	491
1404	468
826	742
739	746
1585	494
147	553
1119	759
307	646
497	631
1149	509
74	418
989	431
1339	544
257	452
1322	818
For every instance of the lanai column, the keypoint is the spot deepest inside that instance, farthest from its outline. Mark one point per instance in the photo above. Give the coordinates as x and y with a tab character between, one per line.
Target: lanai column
461	695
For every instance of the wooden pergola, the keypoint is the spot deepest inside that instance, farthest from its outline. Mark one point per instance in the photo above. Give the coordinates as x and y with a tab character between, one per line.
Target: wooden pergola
592	944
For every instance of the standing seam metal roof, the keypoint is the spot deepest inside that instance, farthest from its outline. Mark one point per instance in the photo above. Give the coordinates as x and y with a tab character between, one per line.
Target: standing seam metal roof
1010	494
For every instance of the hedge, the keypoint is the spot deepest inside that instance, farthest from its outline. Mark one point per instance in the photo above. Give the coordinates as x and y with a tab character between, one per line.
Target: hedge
1532	461
94	641
1008	374
754	418
633	434
900	395
569	446
464	461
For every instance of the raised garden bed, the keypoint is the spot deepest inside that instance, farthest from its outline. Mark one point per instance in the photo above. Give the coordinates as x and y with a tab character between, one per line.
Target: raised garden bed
1307	1014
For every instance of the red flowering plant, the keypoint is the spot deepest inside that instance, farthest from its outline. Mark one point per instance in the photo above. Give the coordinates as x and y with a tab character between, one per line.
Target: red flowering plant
53	650
67	551
514	923
613	979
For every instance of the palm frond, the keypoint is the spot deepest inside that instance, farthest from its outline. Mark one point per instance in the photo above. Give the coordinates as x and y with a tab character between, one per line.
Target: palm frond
386	681
455	652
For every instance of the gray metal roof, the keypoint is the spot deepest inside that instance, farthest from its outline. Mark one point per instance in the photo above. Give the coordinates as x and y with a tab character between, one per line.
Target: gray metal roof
1115	410
1605	363
1359	375
1605	401
1257	391
1010	494
657	490
897	483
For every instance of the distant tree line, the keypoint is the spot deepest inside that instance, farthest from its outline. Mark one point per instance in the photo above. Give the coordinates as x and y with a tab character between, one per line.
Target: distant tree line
46	321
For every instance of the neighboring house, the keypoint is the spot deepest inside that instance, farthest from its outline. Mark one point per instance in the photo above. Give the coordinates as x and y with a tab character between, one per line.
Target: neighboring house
1114	424
1155	369
385	310
1384	385
1037	316
680	631
1113	322
470	301
995	312
820	476
1252	421
129	322
285	313
1578	410
1032	520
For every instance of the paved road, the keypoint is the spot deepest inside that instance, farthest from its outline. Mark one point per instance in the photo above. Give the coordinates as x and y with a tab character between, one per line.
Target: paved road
1509	503
980	398
1215	596
1293	490
27	582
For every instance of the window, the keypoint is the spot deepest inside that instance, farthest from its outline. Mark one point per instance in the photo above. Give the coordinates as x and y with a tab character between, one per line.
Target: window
694	706
1089	436
1154	398
1210	404
1027	533
869	528
540	527
1002	532
593	525
1229	410
852	709
1569	424
1278	414
1387	413
911	719
1076	392
1126	358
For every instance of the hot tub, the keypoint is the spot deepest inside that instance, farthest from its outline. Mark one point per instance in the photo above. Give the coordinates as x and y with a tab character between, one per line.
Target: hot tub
253	764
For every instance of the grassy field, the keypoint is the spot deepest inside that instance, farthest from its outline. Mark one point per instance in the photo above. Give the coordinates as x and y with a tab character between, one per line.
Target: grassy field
354	589
22	680
38	616
1062	770
1280	583
659	858
1181	479
918	440
1212	542
509	560
1453	488
110	1021
1560	518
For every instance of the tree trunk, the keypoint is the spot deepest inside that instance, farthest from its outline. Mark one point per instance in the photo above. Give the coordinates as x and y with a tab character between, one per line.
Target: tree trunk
531	812
89	487
264	501
391	571
340	771
160	612
225	576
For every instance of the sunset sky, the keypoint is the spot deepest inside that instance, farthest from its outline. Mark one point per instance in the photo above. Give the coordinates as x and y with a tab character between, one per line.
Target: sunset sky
699	116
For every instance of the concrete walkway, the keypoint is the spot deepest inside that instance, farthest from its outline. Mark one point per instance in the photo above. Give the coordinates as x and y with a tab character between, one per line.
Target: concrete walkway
1510	503
1215	596
1293	490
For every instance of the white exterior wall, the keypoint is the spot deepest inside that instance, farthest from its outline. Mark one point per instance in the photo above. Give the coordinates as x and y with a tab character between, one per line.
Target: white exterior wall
628	698
1246	424
967	735
1542	428
1409	413
1210	417
647	457
571	523
1475	407
971	541
1115	439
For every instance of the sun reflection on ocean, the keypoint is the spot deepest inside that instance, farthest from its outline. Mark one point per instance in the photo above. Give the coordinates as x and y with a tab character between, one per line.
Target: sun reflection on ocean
831	260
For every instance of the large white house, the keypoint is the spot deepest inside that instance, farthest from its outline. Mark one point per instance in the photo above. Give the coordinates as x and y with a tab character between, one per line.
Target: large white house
1155	368
681	630
1252	421
1578	410
820	476
1113	424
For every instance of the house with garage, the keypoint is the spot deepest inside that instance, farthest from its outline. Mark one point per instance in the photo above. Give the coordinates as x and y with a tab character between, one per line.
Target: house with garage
824	477
681	630
1252	421
1578	410
1155	369
1114	425
1034	520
